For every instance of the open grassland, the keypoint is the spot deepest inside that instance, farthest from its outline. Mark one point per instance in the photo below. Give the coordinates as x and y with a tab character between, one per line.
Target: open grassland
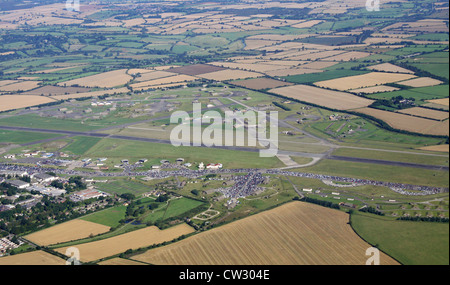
293	234
395	174
32	258
19	137
106	80
409	123
425	113
411	243
109	217
133	240
12	102
73	230
365	80
326	98
112	148
81	145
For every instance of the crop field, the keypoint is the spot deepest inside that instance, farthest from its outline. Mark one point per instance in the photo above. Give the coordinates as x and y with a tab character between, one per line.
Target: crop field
261	83
439	148
164	81
152	75
389	67
32	258
426	113
421	82
365	80
328	98
91	94
375	89
20	86
133	240
409	123
12	102
196	69
229	74
73	230
444	101
106	80
317	235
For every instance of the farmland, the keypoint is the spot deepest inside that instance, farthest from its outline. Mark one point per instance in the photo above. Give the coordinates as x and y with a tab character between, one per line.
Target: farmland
133	240
73	230
257	240
361	96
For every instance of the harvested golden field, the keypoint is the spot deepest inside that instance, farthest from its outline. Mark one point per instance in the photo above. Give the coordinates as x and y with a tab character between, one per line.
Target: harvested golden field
32	258
389	67
164	81
439	148
292	71
120	261
106	80
330	99
12	102
421	82
374	89
409	123
73	230
91	94
229	74
425	113
307	24
293	234
20	86
348	56
7	82
132	240
444	101
153	75
256	67
364	80
261	83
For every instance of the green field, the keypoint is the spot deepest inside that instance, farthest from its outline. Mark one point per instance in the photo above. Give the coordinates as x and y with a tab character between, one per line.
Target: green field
411	243
109	217
407	175
174	208
81	145
121	149
19	137
122	186
327	75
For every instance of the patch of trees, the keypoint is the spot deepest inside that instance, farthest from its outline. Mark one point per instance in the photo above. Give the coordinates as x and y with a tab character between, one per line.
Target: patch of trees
321	203
282	106
371	210
424	219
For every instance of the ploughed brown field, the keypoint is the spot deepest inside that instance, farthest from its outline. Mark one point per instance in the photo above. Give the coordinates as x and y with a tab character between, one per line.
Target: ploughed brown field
293	234
328	98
